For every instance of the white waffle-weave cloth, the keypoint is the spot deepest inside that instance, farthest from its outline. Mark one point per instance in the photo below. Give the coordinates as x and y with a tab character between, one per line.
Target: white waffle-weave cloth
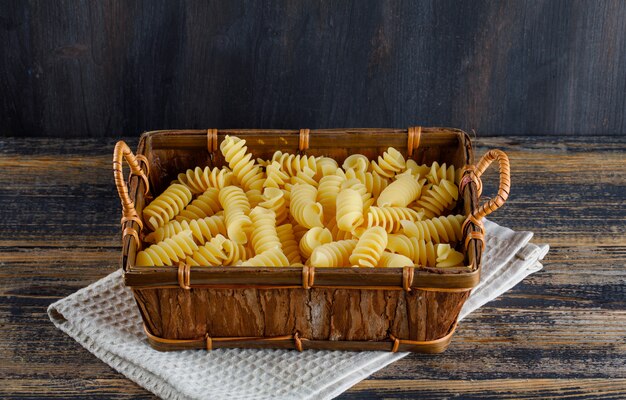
103	318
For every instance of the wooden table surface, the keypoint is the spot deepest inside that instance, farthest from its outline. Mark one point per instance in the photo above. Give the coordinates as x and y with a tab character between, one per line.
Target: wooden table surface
561	333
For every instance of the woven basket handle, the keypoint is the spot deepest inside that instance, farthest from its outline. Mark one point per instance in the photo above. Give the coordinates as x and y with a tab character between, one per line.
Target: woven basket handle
505	181
122	151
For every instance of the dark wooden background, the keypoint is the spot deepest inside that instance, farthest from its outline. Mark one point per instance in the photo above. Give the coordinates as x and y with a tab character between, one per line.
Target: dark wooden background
112	68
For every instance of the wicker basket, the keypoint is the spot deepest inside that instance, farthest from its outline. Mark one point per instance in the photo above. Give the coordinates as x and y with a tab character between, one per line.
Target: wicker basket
410	309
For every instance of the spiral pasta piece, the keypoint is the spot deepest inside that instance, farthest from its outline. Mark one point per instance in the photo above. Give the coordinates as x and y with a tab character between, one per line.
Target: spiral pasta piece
303	207
209	254
276	178
356	162
205	205
263	236
198	180
419	251
390	218
393	260
418	171
401	192
327	192
369	248
437	230
325	166
169	251
245	170
439	172
255	197
269	258
374	183
438	198
448	257
334	254
233	252
349	210
203	229
337	233
315	237
306	176
274	199
289	243
389	163
166	206
292	164
236	210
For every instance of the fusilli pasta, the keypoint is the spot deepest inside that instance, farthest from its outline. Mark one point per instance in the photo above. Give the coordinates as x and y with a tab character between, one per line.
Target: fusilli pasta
369	248
236	210
169	251
166	206
245	170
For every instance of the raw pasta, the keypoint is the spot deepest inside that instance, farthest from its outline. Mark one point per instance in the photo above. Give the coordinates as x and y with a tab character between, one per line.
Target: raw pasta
401	192
333	254
369	248
269	258
315	237
264	236
167	252
303	207
305	210
392	260
391	218
205	205
248	174
166	206
438	198
289	243
437	230
198	180
236	210
203	229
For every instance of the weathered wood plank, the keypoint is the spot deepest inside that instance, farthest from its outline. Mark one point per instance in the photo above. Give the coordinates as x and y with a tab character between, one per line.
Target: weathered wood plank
110	67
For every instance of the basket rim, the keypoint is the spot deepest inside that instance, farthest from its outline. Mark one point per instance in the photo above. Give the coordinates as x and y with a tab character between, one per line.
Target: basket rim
425	278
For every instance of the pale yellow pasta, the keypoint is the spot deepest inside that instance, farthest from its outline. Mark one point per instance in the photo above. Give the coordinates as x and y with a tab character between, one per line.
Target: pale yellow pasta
439	172
349	210
276	177
419	251
307	176
334	254
269	258
203	229
246	172
389	163
401	192
236	210
168	252
315	237
418	171
438	198
198	180
390	217
263	236
337	233
209	254
393	260
166	206
369	248
303	207
374	183
448	257
327	192
325	166
233	252
289	244
255	197
205	205
355	184
357	162
274	199
292	164
437	230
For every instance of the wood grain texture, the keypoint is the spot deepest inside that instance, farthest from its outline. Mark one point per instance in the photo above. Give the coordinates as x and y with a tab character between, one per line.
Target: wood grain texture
111	67
559	334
